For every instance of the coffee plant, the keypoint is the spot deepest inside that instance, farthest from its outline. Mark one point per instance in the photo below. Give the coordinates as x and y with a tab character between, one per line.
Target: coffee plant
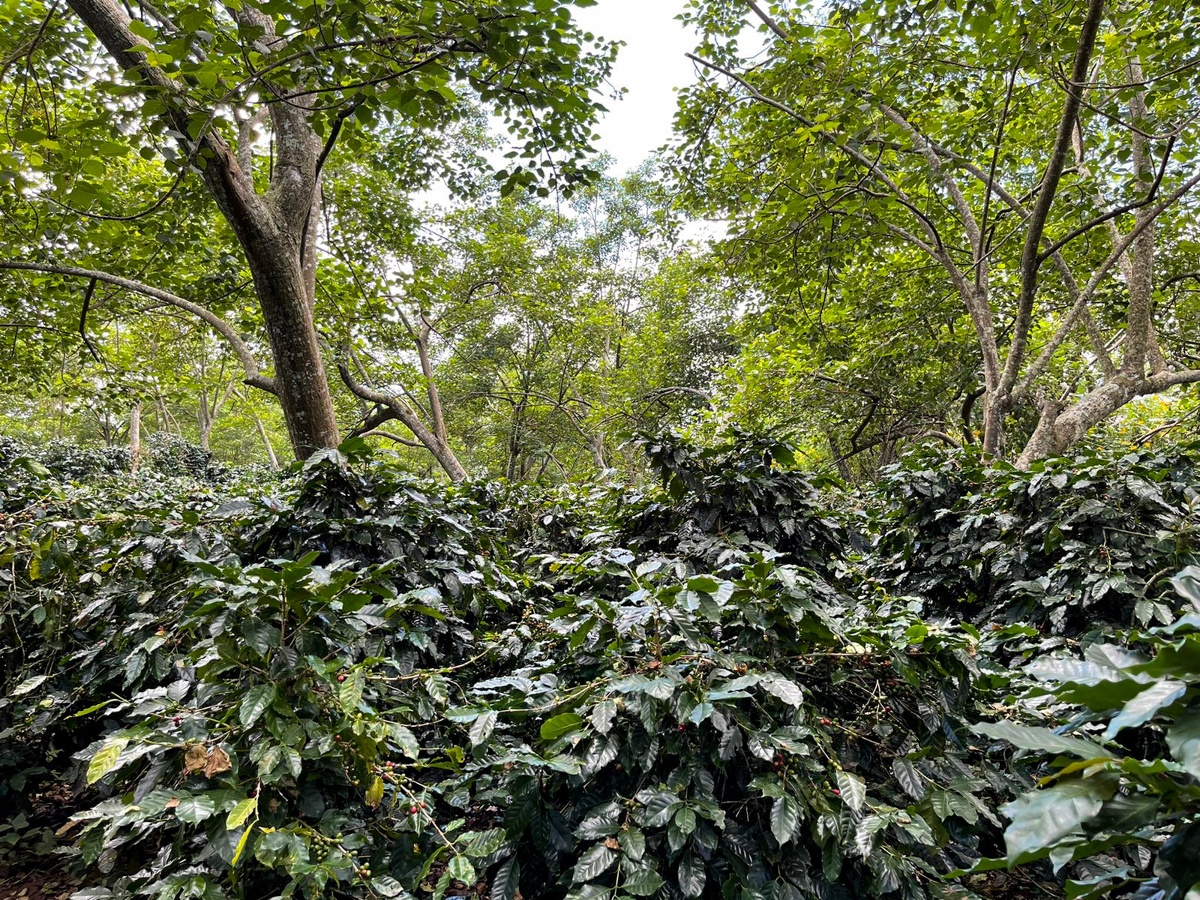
348	682
1121	776
1064	546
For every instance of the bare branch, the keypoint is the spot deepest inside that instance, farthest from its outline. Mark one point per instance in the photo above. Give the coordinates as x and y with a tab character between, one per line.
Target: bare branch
768	21
1113	213
1163	380
400	410
246	135
1141	284
980	266
923	146
87	302
254	377
1085	295
392	436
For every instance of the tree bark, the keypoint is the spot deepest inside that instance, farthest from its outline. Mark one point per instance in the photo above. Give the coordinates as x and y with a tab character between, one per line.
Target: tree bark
270	228
300	380
203	420
431	390
1001	402
1058	430
266	439
135	436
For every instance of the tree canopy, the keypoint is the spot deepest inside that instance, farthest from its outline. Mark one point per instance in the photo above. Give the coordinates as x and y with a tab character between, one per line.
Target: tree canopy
188	88
400	500
921	175
961	223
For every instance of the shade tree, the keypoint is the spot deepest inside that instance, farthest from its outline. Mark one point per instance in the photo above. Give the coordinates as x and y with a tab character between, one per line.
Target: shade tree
203	89
1040	161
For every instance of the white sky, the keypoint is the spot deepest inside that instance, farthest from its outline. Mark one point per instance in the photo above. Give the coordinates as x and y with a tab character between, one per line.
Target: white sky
650	67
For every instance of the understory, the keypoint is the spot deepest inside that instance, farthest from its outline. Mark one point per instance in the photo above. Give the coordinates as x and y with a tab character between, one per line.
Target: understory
961	681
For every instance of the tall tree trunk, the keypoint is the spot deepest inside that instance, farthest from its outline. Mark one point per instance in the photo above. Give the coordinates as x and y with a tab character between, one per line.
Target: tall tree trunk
271	228
266	439
135	436
596	445
203	419
300	379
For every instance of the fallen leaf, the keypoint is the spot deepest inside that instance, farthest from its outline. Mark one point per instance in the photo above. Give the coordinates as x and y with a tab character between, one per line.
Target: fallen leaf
65	828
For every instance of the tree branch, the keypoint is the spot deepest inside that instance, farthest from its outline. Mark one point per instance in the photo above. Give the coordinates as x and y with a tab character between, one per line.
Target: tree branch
768	21
1163	380
1085	295
1138	327
229	185
87	301
400	410
392	436
254	377
1036	226
861	158
1113	213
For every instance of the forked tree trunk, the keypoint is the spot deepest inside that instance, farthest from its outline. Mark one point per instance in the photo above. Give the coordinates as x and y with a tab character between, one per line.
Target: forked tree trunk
270	228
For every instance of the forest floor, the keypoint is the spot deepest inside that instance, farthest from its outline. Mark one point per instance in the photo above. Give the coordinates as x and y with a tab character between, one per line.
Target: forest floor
40	875
36	884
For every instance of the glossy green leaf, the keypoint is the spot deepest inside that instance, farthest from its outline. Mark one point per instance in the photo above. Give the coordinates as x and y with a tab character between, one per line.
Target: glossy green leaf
785	818
853	788
1040	739
239	814
256	701
1183	739
691	875
506	880
1040	819
556	727
594	862
460	869
1146	705
482	728
195	808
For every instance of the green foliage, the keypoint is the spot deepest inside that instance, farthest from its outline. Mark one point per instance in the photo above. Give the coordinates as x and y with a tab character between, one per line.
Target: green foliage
878	163
744	489
144	105
165	455
1121	778
405	698
1069	545
349	680
550	336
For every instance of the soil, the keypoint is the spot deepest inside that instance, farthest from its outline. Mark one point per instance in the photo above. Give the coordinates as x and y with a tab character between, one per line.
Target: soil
36	885
38	877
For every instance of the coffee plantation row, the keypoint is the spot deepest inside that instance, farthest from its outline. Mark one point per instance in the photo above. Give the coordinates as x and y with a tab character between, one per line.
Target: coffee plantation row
740	681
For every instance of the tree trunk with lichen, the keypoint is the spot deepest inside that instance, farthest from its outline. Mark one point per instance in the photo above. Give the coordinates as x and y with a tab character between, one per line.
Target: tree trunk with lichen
274	229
